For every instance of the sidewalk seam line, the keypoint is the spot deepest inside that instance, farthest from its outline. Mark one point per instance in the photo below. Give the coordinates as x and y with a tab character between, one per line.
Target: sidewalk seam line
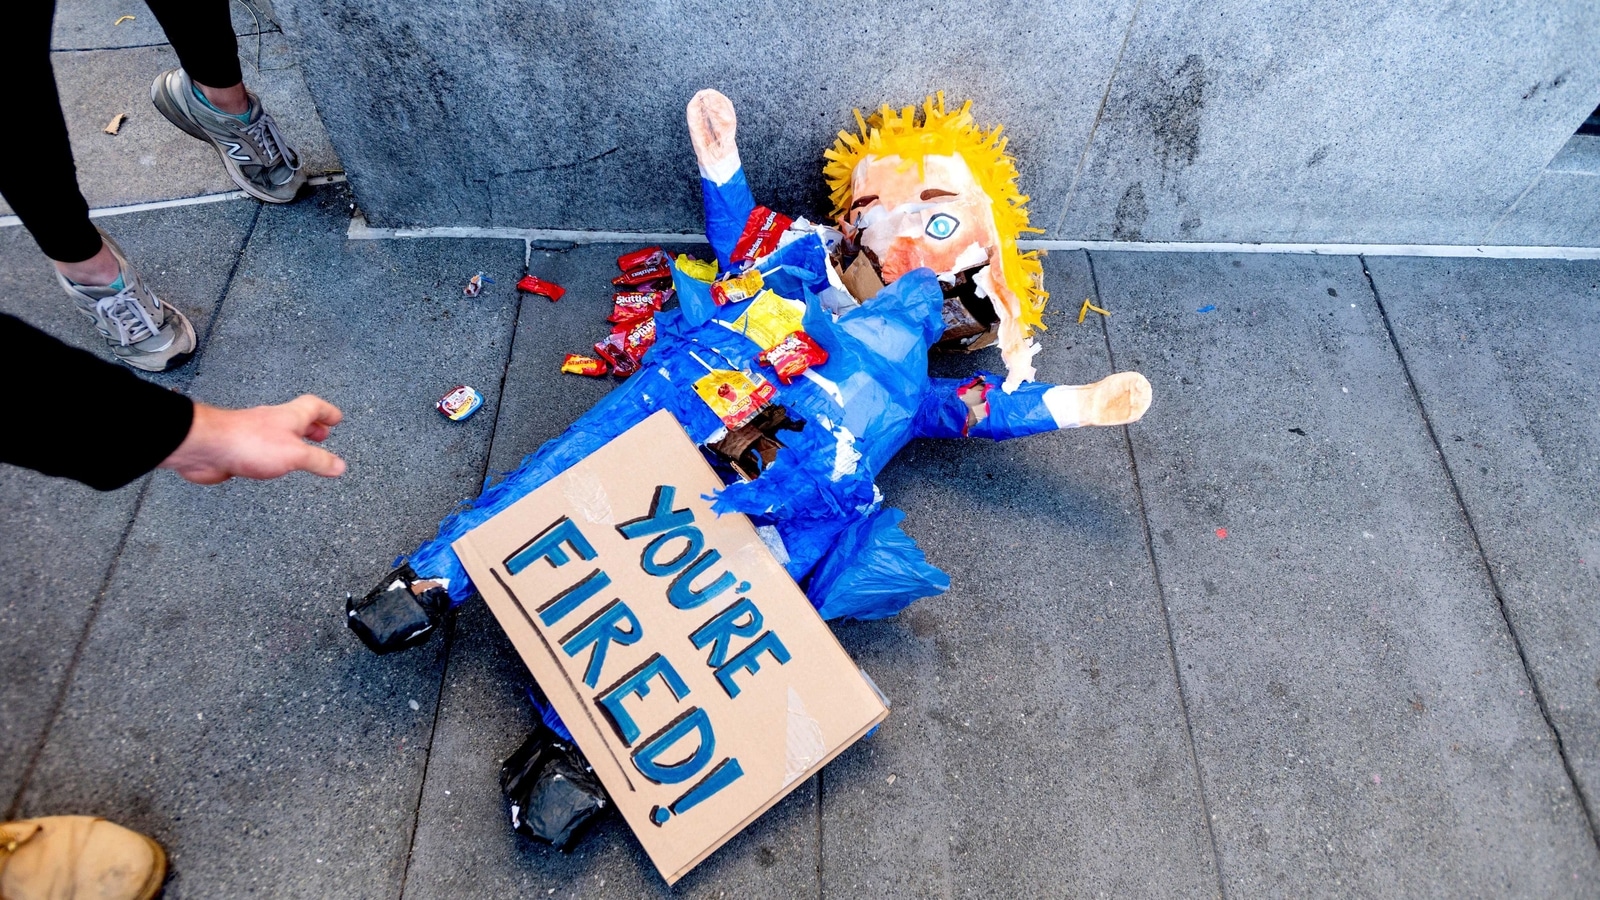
821	888
67	677
1099	113
450	632
1488	568
60	702
1161	597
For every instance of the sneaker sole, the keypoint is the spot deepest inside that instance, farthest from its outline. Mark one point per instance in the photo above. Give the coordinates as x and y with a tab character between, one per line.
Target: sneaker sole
158	872
165	106
155	362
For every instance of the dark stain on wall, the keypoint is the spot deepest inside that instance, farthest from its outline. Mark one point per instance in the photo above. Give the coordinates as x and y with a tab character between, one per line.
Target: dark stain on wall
1131	213
1172	108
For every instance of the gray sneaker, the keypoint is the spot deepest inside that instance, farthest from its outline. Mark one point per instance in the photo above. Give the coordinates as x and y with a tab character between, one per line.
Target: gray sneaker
142	331
257	157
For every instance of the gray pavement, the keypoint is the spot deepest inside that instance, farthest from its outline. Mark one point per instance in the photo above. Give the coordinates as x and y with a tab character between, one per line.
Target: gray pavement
1380	680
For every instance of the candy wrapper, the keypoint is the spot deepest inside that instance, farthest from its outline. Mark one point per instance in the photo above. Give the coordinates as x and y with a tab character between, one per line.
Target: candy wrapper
548	289
735	288
645	275
641	259
628	307
460	403
699	269
793	355
577	364
734	396
638	337
770	319
475	284
612	351
761	233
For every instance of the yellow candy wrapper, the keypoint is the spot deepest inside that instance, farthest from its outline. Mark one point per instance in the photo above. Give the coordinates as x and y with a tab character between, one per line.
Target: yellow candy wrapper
770	319
698	269
734	396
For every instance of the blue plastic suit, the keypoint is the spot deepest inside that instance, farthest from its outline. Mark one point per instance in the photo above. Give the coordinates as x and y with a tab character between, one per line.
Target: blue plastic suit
835	536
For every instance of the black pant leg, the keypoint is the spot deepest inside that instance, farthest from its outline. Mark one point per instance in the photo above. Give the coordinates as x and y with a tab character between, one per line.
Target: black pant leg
201	33
37	175
113	426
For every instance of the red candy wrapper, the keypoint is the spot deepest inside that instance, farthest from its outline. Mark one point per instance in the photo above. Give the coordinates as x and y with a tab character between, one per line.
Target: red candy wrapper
612	351
640	259
793	355
760	235
628	307
577	364
638	337
541	287
644	275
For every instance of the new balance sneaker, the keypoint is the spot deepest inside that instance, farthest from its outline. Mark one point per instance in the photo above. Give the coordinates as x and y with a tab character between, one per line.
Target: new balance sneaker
252	149
80	857
142	331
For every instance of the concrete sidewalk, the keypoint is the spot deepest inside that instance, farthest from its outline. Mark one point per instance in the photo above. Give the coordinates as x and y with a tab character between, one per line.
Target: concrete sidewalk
1322	624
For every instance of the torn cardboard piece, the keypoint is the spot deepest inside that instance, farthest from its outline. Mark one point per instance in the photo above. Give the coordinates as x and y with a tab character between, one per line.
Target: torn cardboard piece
680	654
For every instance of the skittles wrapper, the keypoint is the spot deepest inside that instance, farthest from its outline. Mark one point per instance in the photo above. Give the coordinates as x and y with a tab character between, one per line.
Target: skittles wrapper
793	355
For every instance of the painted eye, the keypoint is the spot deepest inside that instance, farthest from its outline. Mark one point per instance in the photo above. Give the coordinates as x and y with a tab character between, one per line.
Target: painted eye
942	226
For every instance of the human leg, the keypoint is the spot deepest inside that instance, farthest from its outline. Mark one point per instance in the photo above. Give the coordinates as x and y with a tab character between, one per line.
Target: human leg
40	182
207	99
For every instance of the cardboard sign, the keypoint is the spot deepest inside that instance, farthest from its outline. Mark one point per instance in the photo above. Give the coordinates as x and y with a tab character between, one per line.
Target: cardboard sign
693	673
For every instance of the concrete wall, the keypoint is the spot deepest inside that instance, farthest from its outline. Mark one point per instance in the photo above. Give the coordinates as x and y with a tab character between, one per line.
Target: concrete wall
1205	120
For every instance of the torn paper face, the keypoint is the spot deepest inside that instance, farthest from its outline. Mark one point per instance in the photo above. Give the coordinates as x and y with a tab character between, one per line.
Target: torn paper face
935	215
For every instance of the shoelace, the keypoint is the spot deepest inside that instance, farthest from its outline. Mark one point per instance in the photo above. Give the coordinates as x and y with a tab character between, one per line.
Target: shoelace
132	321
264	131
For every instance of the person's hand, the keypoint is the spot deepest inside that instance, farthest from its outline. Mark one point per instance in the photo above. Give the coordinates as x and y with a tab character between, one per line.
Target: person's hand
261	442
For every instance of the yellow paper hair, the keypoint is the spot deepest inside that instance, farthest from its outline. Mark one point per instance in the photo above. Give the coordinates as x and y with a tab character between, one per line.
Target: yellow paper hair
941	133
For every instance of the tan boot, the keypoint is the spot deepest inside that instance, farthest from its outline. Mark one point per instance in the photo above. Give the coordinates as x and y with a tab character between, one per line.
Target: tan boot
78	858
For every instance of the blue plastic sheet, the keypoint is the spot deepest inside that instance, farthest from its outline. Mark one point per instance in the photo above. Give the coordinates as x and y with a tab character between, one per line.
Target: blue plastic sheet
875	571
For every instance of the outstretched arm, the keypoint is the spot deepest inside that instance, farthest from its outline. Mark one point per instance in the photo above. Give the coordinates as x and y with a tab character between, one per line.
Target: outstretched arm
712	126
978	408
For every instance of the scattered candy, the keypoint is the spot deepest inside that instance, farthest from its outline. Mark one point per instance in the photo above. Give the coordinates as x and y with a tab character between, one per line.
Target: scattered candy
611	350
645	275
460	403
548	289
736	288
761	233
1222	534
577	364
793	355
628	307
769	319
640	259
734	396
475	284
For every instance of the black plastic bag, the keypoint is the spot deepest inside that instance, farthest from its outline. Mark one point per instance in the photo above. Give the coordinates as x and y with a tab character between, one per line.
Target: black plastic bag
399	613
553	794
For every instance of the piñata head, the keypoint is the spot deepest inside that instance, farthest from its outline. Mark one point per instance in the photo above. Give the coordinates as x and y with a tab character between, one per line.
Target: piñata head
929	188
